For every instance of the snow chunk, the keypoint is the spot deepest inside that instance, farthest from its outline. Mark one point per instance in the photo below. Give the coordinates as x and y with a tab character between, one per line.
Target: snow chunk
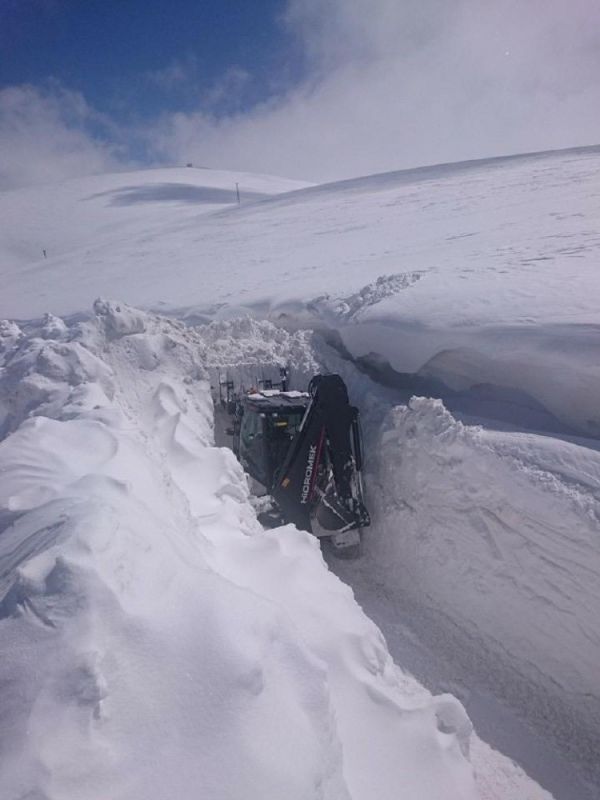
339	308
247	350
53	327
51	378
10	333
119	319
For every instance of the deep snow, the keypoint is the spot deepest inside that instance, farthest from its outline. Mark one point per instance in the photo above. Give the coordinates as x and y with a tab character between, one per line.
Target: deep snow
497	533
473	283
484	273
485	541
156	641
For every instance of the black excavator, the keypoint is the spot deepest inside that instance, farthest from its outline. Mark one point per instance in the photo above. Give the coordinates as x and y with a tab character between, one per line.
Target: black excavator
304	451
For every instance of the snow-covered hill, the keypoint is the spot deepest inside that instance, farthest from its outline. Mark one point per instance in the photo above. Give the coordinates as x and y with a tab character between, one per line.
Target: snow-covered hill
79	217
479	273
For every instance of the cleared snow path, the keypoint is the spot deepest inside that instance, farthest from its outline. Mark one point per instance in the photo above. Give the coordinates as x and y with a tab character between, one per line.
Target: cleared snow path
424	642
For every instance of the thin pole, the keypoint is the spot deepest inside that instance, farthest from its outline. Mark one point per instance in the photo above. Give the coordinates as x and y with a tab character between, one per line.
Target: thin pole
237	192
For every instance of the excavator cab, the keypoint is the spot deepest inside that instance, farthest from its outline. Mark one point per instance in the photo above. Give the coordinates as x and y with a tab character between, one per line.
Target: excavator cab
267	426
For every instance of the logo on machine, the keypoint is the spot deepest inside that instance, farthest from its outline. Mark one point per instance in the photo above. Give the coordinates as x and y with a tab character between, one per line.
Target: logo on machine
308	472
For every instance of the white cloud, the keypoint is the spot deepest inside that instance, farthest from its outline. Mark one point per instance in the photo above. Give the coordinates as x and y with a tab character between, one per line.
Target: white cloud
389	84
228	89
44	136
398	83
174	74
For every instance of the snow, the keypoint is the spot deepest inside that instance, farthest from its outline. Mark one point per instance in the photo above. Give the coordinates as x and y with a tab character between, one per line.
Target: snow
487	540
148	619
70	219
506	546
484	272
156	640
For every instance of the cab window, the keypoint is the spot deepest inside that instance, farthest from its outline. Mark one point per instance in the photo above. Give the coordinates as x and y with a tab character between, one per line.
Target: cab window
251	427
286	424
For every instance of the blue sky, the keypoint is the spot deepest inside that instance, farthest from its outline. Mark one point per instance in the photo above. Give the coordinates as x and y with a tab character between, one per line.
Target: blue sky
309	89
138	58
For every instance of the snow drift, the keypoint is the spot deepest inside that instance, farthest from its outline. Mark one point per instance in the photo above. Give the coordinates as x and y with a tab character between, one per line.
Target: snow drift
156	642
496	533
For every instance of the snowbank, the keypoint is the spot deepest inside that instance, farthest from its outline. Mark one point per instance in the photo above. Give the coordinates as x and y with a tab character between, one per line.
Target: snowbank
496	534
544	377
156	643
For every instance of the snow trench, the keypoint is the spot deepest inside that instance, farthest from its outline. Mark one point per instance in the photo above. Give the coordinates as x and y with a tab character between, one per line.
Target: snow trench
156	642
491	535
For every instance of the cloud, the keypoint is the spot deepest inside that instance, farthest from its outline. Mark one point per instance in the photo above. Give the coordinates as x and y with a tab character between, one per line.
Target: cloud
174	74
392	84
51	133
387	84
228	91
181	79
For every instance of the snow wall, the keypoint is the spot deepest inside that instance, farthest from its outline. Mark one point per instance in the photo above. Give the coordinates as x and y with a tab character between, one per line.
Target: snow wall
497	535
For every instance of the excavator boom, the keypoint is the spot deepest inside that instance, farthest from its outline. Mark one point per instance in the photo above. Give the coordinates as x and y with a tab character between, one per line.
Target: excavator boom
319	481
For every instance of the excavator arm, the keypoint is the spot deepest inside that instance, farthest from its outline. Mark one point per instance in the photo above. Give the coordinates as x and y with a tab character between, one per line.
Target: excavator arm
319	482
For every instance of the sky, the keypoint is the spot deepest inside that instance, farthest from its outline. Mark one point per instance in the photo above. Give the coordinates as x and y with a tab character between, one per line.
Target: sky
312	89
133	58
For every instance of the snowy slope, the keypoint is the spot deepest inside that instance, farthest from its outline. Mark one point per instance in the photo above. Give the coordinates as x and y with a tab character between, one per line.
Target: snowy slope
502	242
158	643
481	273
80	215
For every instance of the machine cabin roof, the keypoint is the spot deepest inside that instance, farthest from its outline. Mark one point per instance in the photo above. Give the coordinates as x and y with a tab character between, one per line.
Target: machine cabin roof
271	400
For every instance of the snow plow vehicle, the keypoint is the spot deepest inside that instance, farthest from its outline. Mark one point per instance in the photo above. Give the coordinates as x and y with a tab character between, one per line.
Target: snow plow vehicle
304	451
